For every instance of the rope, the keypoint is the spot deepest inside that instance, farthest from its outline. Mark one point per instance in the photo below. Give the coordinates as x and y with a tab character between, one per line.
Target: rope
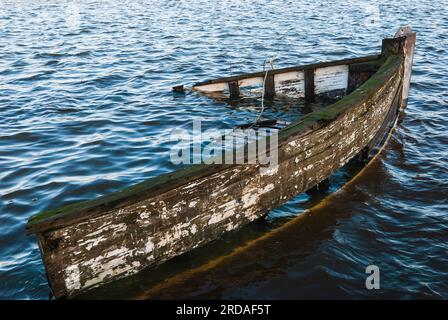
271	62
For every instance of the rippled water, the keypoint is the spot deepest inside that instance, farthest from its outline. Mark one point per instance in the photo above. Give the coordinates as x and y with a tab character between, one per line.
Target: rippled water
86	109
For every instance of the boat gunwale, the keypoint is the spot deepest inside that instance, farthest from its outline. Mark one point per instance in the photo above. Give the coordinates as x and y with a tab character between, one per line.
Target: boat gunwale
317	65
80	211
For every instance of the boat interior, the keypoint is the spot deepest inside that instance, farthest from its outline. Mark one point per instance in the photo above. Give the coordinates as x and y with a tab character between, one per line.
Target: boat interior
281	96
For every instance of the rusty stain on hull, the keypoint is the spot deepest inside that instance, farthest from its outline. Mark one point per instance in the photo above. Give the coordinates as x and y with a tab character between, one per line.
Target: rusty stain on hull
104	241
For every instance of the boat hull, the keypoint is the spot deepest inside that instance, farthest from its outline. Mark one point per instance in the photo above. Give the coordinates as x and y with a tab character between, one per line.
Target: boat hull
118	238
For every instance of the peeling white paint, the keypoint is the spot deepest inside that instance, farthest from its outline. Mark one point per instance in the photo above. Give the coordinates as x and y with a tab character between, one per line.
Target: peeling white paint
149	247
268	171
268	188
72	278
227	210
249	199
192	204
331	78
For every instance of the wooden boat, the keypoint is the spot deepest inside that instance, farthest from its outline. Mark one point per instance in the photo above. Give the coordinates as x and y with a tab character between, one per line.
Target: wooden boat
85	245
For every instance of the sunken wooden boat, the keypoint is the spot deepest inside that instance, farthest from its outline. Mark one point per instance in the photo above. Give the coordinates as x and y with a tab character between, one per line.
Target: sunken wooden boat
85	245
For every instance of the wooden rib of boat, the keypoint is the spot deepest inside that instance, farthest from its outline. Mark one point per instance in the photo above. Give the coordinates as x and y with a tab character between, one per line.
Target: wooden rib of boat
87	244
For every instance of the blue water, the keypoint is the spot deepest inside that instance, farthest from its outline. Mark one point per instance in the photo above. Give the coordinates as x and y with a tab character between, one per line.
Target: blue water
86	109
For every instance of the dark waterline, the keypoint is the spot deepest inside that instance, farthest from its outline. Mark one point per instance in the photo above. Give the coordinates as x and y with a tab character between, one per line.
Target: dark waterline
86	109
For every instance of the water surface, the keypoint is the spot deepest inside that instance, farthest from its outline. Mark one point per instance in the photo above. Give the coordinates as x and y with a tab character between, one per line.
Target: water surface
86	109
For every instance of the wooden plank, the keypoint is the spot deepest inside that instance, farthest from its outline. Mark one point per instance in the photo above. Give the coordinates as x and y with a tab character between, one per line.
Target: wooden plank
330	79
250	82
269	86
386	126
408	50
261	74
213	87
309	85
234	90
359	73
179	88
291	84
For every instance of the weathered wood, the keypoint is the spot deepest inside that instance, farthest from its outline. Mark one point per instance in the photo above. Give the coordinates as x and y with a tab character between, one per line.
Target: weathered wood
249	82
408	51
179	88
309	85
291	84
331	81
387	124
269	86
213	87
86	245
360	73
261	74
234	90
327	80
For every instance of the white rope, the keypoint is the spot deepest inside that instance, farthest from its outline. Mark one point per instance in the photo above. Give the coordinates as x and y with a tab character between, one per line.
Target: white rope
271	62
